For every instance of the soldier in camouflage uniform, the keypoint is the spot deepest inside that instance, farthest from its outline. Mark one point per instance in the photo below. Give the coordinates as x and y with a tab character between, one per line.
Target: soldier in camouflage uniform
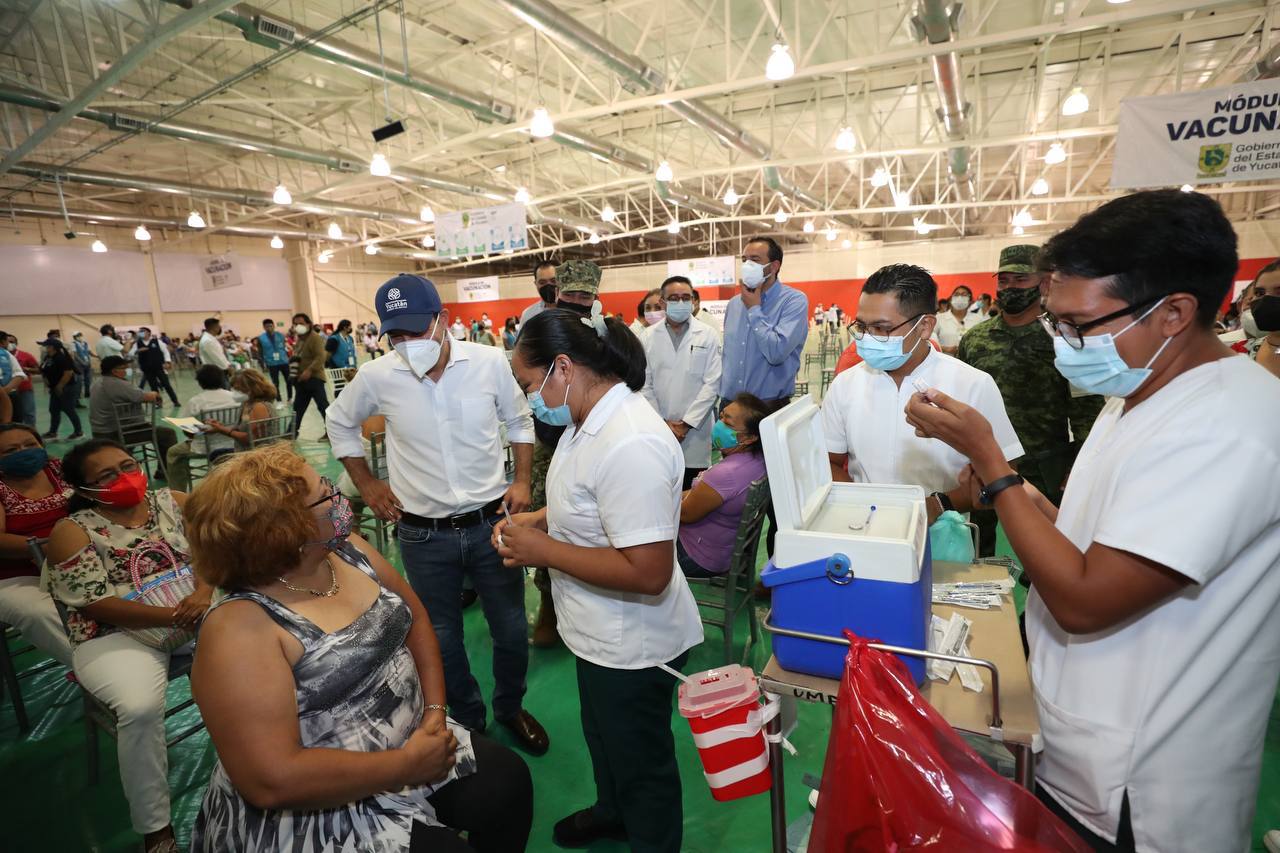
579	283
1017	351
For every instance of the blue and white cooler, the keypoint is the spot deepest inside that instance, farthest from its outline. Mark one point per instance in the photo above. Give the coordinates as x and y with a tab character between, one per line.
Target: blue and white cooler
847	555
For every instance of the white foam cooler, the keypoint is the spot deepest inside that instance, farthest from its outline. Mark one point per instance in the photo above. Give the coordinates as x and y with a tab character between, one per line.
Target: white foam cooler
876	580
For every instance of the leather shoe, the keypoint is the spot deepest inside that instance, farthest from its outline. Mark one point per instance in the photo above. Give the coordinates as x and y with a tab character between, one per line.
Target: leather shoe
581	829
469	597
529	733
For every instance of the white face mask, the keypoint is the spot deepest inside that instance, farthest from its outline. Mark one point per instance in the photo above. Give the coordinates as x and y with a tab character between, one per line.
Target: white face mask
421	354
960	302
301	329
752	274
1249	324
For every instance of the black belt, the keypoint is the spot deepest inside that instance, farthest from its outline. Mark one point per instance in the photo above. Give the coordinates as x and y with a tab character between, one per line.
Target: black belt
454	522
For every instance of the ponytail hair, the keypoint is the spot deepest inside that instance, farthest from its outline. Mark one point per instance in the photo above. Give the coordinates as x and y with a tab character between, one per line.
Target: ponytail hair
616	354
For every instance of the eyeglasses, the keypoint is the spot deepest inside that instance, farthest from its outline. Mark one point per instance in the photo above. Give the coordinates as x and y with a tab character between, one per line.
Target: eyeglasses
1074	333
678	297
331	493
859	329
108	477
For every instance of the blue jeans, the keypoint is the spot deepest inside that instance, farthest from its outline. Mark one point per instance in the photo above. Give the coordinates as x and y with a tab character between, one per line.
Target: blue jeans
24	407
435	562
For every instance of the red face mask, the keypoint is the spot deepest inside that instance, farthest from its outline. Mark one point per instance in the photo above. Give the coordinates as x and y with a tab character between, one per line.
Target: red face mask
124	491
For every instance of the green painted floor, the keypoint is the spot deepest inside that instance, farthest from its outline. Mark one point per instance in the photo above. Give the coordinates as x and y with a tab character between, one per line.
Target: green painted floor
50	806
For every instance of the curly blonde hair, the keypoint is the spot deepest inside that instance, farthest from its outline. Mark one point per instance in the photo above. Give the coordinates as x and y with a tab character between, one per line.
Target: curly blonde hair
248	520
255	386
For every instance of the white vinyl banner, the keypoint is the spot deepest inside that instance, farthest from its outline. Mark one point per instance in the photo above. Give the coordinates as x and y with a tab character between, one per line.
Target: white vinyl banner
706	272
482	231
220	271
483	289
1206	137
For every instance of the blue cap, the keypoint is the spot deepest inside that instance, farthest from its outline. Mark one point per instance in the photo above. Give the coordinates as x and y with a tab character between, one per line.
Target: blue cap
407	302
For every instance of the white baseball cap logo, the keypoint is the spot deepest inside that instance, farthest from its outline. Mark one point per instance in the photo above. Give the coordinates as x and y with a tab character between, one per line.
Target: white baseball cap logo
393	293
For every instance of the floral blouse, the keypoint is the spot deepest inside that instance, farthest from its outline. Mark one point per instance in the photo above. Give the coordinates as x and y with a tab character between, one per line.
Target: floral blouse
101	569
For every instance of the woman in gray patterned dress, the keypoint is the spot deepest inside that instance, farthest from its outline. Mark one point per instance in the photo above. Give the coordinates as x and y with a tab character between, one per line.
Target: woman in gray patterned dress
321	684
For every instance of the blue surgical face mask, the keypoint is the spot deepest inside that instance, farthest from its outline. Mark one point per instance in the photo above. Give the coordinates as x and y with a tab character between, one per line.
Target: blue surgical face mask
679	312
24	463
1098	367
723	436
552	416
886	355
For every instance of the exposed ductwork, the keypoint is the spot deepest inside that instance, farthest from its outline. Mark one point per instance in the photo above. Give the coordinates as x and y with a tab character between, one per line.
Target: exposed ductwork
129	220
638	77
249	198
1267	66
936	22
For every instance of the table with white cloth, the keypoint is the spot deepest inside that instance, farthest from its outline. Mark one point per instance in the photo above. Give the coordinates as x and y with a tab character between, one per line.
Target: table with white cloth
994	638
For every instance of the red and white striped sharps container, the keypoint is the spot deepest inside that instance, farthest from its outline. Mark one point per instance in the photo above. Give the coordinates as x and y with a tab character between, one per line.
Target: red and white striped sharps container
724	711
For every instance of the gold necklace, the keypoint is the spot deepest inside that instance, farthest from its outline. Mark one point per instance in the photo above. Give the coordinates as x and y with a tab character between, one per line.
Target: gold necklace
332	591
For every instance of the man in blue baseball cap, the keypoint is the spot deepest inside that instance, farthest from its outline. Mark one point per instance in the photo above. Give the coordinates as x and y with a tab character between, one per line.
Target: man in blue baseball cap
443	401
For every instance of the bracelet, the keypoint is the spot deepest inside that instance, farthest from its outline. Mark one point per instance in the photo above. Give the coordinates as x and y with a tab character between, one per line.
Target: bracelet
444	708
988	493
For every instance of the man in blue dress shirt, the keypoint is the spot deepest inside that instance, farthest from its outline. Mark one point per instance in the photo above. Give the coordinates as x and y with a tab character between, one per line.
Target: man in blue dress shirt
765	327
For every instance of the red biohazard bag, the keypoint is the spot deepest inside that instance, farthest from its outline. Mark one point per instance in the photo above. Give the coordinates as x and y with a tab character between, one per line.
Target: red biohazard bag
898	778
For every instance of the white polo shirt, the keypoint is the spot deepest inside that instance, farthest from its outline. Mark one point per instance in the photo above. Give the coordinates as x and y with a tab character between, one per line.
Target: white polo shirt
211	351
444	448
1172	705
107	346
864	415
615	482
949	330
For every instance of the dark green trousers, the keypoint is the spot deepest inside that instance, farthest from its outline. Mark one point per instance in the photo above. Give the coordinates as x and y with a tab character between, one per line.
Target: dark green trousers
626	721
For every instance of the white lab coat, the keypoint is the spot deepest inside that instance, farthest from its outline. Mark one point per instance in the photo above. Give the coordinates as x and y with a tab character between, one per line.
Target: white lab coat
682	384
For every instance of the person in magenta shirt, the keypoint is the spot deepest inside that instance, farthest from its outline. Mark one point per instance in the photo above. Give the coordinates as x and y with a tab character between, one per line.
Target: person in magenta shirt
711	509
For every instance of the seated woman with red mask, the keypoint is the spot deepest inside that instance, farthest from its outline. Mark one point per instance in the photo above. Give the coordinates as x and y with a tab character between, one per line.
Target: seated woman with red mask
112	517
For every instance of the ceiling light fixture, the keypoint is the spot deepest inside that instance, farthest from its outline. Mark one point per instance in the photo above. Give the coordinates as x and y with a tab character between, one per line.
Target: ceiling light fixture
371	249
379	167
808	226
1040	187
276	242
781	216
845	140
1187	188
324	256
673	227
141	233
1056	154
922	227
1023	218
282	195
780	65
335	231
880	177
846	243
902	198
594	238
541	125
608	214
195	220
98	246
1076	103
831	235
1018	230
428	241
522	195
664	172
730	197
426	214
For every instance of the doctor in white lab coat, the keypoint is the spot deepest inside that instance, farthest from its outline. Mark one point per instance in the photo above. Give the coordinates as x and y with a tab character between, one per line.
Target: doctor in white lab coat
682	374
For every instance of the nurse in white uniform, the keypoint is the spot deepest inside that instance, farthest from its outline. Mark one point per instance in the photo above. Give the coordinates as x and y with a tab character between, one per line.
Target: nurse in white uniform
682	375
1155	648
608	535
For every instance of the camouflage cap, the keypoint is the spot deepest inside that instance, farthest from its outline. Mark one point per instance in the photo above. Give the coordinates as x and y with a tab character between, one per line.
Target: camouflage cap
578	277
1020	259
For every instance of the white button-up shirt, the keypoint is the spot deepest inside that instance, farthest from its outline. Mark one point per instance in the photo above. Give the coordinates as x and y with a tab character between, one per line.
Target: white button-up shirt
682	382
211	351
444	448
1171	705
615	483
950	330
864	415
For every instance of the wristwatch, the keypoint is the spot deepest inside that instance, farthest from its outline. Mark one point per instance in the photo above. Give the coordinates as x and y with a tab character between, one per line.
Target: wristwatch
944	501
987	495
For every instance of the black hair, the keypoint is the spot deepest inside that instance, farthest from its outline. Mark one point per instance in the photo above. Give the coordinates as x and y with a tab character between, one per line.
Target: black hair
343	324
697	297
967	289
556	331
268	320
111	363
545	262
12	425
142	329
1152	244
914	289
674	279
756	411
643	299
210	322
1271	267
106	329
303	316
775	251
73	468
210	376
